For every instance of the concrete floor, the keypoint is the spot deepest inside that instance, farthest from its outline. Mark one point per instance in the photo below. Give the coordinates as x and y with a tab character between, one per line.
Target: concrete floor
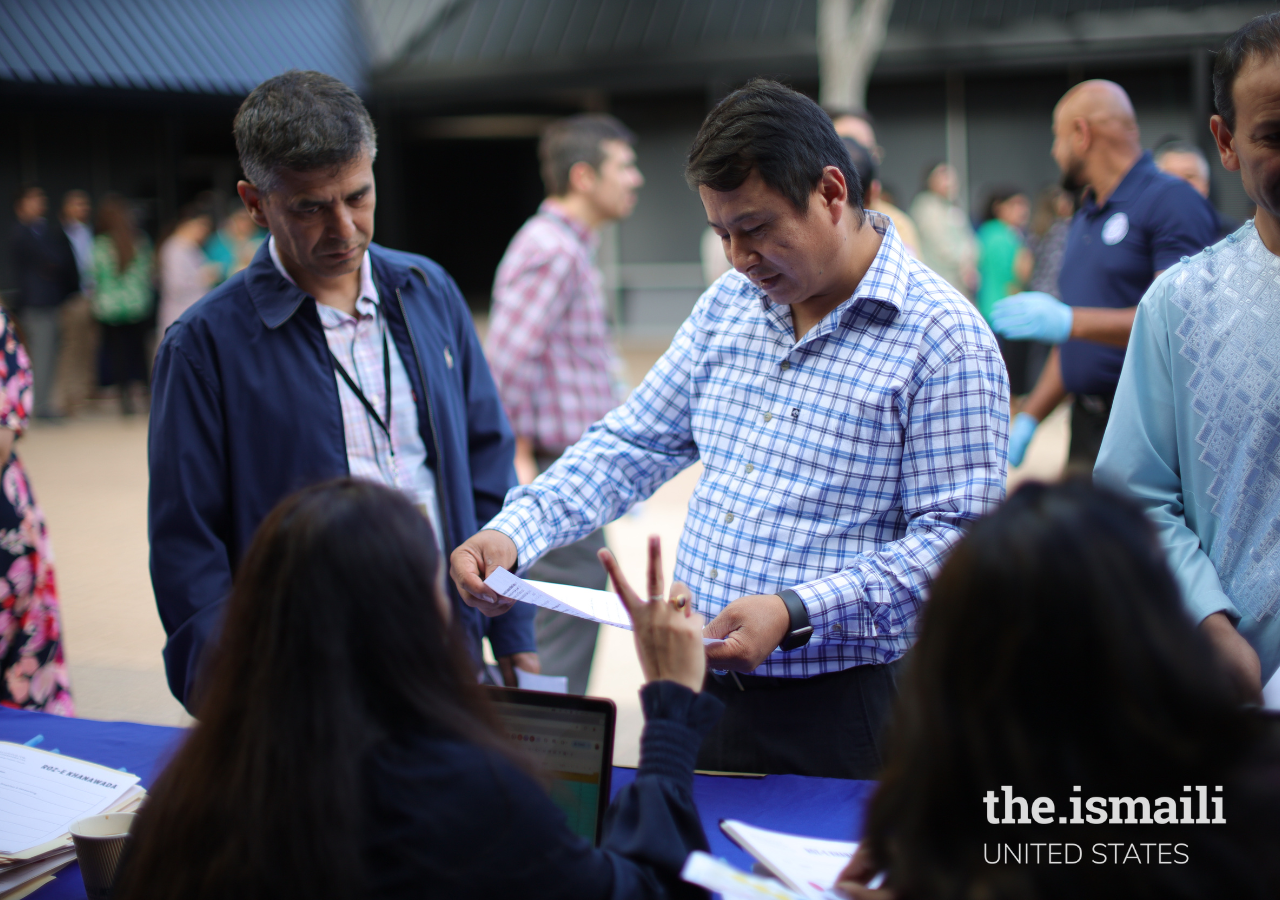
90	477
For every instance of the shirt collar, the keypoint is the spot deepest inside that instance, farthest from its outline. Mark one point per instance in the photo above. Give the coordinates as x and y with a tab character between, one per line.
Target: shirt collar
884	284
368	290
1128	186
586	235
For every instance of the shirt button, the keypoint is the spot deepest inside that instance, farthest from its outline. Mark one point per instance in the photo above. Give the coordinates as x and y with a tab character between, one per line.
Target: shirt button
836	627
750	468
768	417
713	574
786	364
728	518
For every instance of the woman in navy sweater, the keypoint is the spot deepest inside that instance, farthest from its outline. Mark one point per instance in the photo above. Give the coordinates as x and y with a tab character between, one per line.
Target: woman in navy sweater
344	750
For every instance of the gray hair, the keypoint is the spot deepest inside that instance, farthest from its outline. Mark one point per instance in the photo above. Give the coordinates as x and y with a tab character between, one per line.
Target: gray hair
302	121
1185	148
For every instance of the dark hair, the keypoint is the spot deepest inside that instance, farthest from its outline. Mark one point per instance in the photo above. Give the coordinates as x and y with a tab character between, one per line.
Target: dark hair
864	162
302	121
567	142
766	127
997	195
116	220
334	643
1054	652
1259	36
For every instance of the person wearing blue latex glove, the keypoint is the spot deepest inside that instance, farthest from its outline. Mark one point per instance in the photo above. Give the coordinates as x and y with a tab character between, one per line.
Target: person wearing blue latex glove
1134	222
1032	316
1020	433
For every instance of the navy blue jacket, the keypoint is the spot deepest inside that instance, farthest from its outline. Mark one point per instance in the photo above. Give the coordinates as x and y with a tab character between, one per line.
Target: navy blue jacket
245	411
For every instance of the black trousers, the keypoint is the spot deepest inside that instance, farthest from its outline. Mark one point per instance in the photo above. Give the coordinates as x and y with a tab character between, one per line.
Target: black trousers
1089	416
830	725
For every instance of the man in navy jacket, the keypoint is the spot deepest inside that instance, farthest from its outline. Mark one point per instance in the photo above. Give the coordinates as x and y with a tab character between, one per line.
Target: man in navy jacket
329	355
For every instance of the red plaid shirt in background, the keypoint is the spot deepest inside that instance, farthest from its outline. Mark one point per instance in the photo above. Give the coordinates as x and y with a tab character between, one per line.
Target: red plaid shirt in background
549	345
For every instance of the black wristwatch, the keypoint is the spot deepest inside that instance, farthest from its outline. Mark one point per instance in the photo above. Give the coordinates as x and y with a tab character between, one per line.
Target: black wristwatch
799	630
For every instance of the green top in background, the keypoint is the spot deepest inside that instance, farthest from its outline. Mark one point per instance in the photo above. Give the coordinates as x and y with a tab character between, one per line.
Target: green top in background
998	253
122	298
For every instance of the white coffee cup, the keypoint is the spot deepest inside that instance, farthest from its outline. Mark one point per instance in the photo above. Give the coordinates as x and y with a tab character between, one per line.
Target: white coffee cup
100	842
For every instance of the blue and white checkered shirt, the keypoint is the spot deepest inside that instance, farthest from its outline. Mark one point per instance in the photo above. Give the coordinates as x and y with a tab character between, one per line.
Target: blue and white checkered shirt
844	465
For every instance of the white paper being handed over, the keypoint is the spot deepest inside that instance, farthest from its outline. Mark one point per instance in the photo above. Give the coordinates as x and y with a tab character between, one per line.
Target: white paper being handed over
596	606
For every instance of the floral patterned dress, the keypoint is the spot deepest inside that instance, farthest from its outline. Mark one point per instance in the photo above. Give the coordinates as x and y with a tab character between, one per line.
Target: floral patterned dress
33	674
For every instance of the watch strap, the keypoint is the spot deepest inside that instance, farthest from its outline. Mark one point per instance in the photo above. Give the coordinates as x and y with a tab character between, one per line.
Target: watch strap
798	630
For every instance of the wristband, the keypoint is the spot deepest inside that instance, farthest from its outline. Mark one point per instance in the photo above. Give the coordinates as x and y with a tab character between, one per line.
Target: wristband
798	630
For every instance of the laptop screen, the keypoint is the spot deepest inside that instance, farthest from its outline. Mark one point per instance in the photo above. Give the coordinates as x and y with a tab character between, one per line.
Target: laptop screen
571	738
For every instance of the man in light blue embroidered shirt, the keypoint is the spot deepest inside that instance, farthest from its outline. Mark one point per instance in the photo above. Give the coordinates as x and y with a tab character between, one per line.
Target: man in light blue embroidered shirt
850	410
1195	434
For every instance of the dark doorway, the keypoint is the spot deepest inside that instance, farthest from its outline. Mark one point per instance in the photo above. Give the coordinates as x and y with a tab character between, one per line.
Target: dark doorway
464	199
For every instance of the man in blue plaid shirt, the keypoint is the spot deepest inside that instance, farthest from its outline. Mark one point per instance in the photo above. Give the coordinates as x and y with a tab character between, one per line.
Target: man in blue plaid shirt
850	410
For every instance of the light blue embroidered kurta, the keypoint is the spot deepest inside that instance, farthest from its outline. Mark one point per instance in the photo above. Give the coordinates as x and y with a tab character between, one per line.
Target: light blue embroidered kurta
1194	434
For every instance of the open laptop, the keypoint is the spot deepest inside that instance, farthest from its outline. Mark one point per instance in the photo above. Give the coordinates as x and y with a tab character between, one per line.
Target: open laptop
572	739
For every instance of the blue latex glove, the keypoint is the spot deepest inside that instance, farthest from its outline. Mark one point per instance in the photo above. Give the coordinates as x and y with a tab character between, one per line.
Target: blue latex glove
1032	316
1024	428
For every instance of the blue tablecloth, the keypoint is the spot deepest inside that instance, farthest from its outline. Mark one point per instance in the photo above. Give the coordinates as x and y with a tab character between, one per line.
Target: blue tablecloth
819	807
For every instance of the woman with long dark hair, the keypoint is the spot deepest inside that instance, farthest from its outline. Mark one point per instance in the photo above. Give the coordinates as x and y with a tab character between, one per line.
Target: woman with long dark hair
343	748
1055	658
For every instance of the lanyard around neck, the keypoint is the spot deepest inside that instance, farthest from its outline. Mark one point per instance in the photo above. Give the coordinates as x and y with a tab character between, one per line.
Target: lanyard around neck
384	424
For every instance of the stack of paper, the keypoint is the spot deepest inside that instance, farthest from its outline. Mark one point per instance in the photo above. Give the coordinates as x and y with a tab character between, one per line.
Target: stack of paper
595	606
809	866
41	795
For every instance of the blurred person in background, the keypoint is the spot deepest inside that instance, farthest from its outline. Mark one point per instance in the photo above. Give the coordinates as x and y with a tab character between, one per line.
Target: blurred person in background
1183	159
859	126
947	242
329	356
998	693
184	272
1004	265
44	266
1135	221
33	672
123	296
1195	435
550	348
234	243
1047	239
78	356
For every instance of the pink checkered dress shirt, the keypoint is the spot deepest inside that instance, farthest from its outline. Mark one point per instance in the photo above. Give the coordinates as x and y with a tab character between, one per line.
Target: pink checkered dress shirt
549	344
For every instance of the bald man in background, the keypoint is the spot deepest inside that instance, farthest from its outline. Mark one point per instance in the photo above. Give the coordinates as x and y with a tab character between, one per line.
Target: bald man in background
1134	223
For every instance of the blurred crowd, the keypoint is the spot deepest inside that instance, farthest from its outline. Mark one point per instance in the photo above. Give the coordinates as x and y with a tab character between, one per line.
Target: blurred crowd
93	295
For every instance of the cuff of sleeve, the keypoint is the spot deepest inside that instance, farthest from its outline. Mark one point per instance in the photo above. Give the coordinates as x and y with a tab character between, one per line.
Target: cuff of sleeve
675	721
837	611
1209	602
518	522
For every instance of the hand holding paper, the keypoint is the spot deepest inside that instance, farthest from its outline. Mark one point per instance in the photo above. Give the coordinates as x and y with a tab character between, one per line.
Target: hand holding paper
483	554
668	632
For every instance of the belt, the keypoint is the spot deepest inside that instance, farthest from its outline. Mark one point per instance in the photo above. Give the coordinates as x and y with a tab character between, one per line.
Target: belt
777	683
